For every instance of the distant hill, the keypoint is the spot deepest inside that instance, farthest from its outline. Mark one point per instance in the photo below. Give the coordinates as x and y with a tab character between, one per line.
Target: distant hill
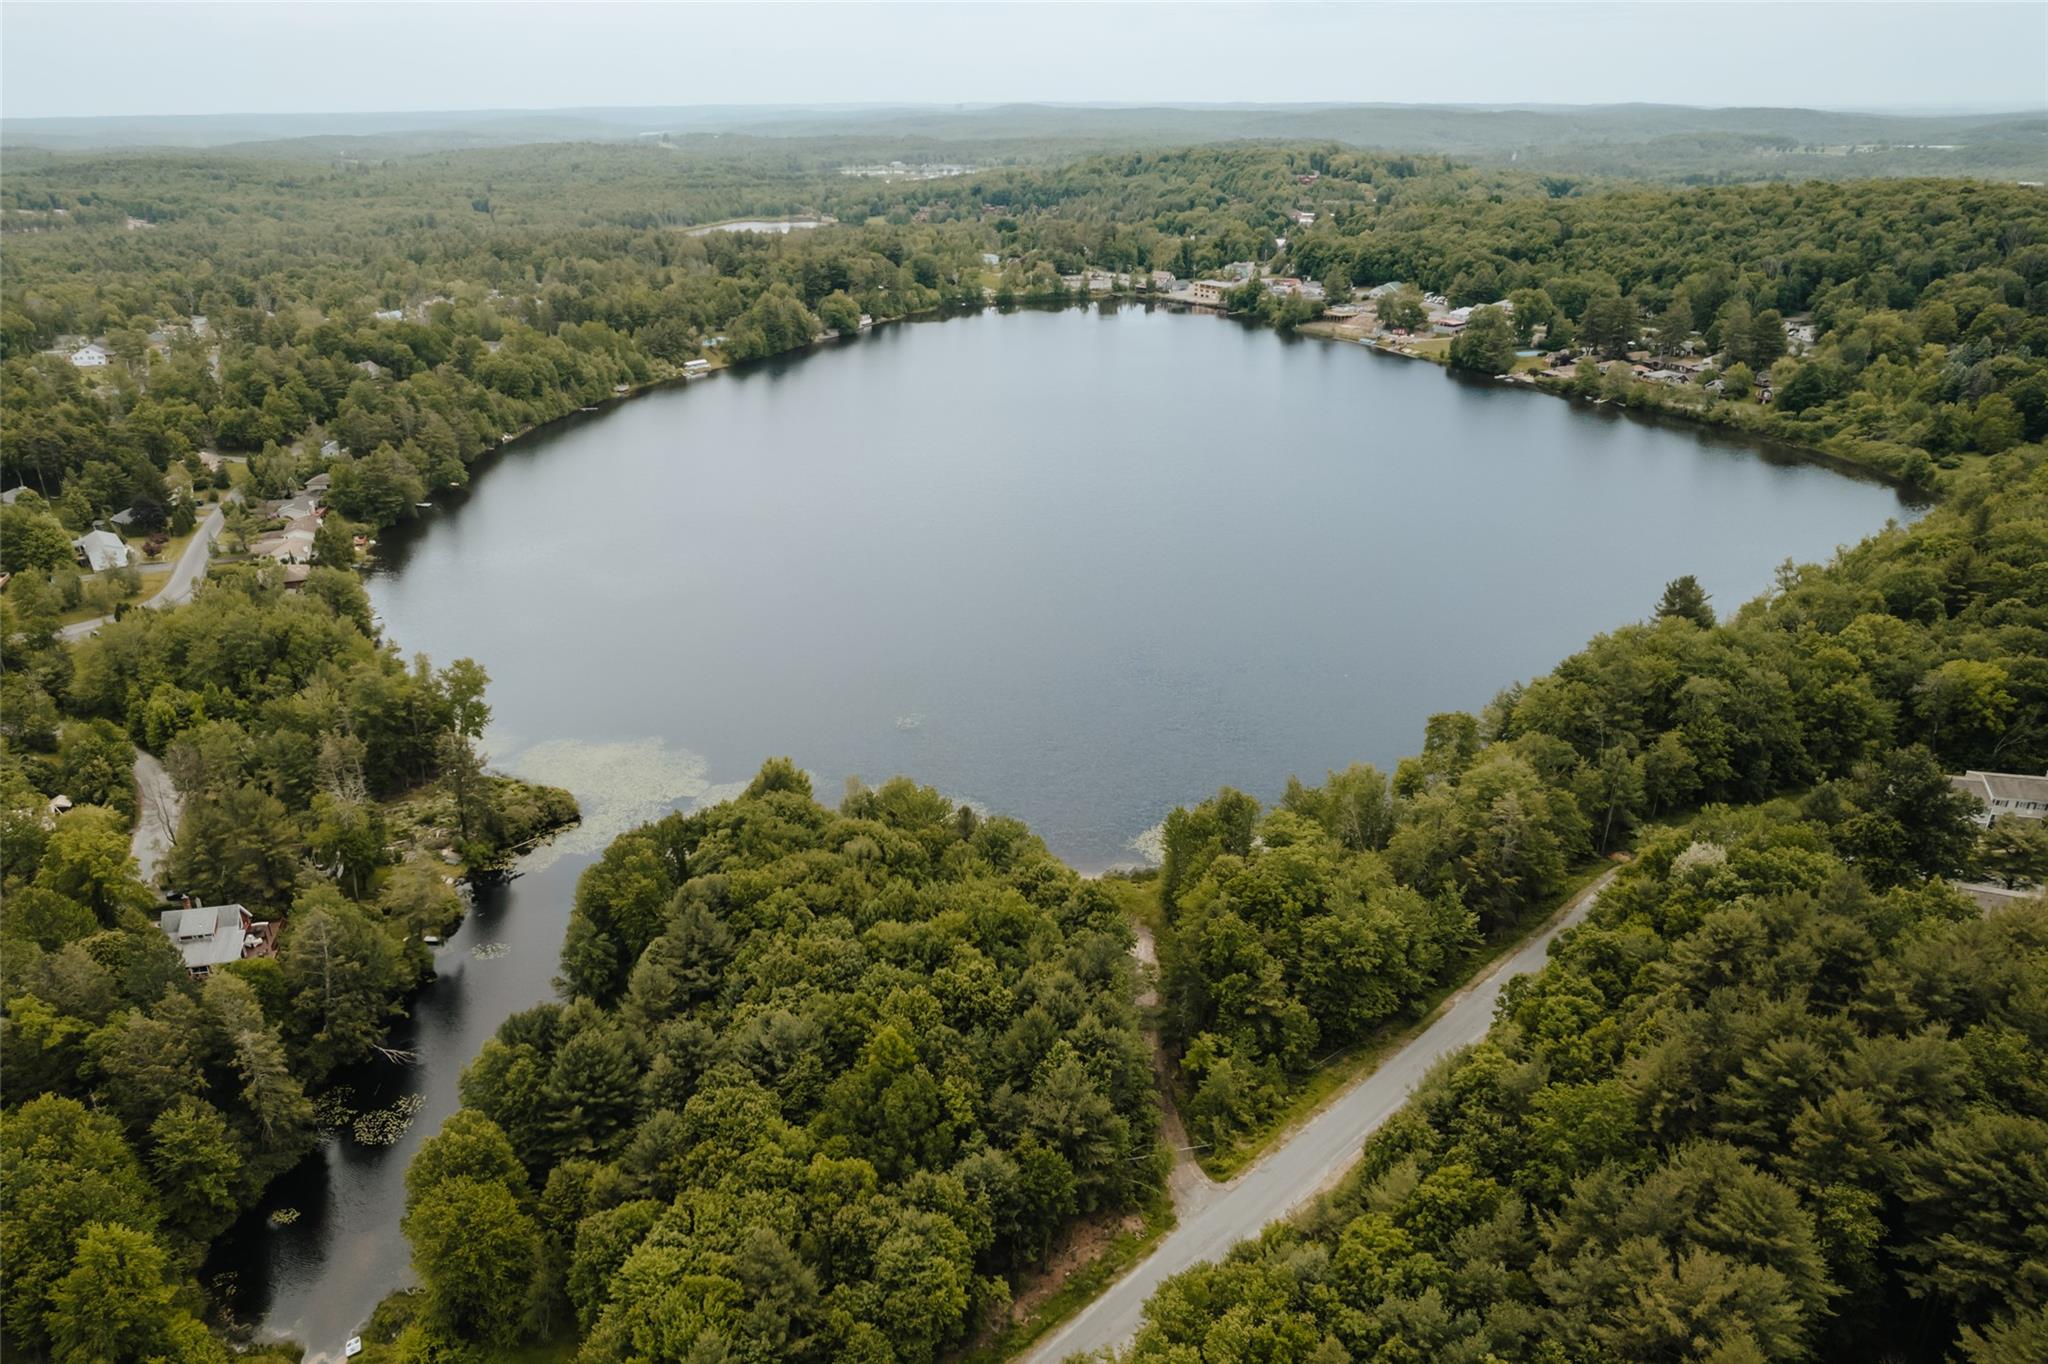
1653	141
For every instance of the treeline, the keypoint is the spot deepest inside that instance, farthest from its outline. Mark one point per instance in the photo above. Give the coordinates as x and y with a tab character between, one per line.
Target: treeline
819	1081
1926	297
1920	651
1754	1109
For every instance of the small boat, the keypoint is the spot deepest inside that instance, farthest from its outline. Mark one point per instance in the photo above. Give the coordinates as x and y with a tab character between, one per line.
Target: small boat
432	939
586	409
353	1348
423	505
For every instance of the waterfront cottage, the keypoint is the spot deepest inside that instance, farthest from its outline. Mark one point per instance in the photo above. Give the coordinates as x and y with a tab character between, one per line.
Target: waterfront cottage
208	936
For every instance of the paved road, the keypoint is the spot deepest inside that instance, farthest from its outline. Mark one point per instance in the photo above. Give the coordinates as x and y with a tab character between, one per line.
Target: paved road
156	815
1310	1161
177	588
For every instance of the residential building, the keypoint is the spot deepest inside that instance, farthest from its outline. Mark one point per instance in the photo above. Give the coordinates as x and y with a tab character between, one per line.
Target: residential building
2004	793
1208	292
692	368
207	936
90	356
100	550
390	315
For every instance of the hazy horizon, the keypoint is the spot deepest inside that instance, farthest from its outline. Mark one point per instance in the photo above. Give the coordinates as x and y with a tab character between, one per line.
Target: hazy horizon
62	61
931	106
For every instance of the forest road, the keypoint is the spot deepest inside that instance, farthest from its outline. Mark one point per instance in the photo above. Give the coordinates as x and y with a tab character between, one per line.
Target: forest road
1309	1161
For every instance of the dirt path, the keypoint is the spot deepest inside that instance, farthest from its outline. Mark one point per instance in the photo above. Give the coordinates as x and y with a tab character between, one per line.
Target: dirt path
156	815
1190	1187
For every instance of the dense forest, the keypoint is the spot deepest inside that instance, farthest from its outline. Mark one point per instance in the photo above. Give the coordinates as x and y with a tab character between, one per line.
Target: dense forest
818	1081
1754	1109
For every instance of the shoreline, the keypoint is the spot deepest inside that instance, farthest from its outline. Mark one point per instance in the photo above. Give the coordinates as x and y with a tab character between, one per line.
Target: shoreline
1919	497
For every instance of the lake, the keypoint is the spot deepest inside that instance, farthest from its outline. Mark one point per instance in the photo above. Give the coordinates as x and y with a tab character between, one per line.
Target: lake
777	226
1073	566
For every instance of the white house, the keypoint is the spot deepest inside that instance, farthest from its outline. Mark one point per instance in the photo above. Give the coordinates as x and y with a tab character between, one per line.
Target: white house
693	368
2004	793
390	315
90	356
101	550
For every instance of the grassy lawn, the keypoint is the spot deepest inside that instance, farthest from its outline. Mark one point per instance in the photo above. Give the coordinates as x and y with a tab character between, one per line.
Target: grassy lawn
173	548
1339	1070
153	577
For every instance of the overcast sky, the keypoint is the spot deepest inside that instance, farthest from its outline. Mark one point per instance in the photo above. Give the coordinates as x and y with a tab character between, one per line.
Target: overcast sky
82	59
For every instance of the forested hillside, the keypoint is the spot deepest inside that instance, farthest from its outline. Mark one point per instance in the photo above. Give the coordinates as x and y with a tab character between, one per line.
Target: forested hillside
516	288
819	1080
1755	1109
1918	652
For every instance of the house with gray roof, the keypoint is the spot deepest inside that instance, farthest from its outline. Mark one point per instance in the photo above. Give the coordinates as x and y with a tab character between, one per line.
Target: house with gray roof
207	936
100	550
2004	793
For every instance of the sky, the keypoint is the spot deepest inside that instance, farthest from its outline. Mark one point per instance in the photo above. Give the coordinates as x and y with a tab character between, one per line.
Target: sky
84	59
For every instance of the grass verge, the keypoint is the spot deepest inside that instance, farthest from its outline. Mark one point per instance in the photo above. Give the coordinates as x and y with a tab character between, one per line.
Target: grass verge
1082	1287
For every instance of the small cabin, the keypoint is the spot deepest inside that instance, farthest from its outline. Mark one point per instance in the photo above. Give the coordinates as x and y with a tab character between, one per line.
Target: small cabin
208	936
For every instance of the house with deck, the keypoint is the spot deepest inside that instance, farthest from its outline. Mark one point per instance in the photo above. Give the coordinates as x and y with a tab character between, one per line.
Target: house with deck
209	936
